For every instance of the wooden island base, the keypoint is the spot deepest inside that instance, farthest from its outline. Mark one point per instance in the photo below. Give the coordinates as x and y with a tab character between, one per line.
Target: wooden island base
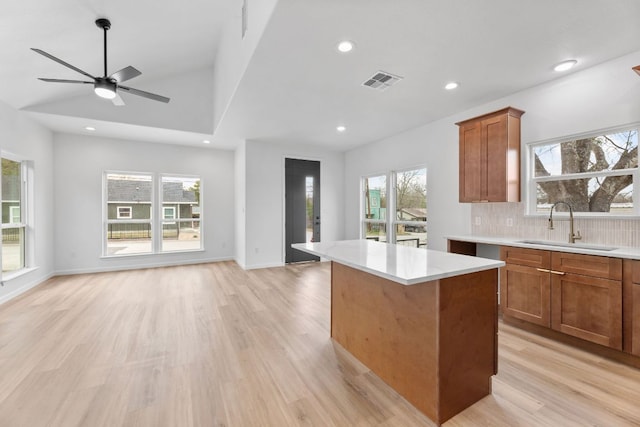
434	342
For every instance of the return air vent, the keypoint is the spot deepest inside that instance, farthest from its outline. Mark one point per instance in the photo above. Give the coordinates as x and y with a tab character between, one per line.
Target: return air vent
381	81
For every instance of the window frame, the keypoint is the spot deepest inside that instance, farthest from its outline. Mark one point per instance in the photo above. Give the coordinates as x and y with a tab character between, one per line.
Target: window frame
395	222
24	224
532	180
156	210
105	213
363	195
390	222
177	219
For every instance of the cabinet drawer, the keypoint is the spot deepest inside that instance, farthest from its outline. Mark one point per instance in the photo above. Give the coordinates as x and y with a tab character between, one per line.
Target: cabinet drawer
522	256
587	265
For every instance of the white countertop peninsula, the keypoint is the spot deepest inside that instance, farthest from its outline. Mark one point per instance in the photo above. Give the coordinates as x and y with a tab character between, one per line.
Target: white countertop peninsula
402	264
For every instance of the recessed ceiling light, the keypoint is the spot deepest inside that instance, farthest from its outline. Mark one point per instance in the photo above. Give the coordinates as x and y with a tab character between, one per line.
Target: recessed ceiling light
90	128
565	65
206	141
345	46
451	85
341	128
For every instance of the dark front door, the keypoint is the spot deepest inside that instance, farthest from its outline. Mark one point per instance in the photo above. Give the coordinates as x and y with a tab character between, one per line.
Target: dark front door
302	207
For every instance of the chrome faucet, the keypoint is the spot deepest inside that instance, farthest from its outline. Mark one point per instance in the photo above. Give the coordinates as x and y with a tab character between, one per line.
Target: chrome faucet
572	236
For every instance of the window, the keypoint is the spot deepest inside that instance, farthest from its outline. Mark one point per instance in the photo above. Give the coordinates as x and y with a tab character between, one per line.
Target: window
180	213
169	212
129	229
13	214
410	196
124	212
594	173
408	226
134	199
374	218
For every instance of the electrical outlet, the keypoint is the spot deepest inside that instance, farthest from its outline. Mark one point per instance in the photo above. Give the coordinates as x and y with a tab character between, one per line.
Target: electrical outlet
478	220
509	222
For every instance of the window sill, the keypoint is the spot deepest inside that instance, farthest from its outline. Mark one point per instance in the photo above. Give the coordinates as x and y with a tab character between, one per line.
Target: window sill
6	277
116	256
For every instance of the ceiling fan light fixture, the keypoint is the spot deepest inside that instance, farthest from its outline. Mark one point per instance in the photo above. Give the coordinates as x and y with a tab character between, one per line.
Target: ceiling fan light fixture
104	88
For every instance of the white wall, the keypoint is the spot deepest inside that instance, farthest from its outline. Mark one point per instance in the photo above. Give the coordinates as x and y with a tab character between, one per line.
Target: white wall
240	197
21	136
603	96
264	204
234	52
80	162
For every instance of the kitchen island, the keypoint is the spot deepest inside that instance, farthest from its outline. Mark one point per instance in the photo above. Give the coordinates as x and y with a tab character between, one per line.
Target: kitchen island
424	321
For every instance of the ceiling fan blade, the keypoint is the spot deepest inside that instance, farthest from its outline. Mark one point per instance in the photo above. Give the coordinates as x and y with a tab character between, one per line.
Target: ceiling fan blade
144	94
60	61
63	81
118	101
125	74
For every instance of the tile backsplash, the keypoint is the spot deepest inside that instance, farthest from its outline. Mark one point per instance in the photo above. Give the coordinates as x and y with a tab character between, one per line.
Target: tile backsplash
508	220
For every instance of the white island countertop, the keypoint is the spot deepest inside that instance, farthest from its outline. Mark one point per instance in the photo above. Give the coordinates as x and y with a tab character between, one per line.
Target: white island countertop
401	264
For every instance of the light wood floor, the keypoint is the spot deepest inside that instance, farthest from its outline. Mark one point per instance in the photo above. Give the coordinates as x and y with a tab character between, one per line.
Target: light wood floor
212	345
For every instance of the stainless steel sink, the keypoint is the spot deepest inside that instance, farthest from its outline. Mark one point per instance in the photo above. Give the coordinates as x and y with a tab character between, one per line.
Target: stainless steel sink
568	245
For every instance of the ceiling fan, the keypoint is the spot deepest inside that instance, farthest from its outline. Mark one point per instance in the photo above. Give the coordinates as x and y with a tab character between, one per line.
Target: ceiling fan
108	85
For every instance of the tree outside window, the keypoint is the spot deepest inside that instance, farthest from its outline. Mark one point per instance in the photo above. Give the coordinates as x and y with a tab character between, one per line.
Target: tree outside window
594	174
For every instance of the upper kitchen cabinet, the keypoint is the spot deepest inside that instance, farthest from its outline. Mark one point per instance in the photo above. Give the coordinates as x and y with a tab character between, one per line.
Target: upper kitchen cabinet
490	157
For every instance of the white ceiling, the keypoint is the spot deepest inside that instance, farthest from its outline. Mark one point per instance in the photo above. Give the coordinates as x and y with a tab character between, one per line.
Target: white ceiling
297	87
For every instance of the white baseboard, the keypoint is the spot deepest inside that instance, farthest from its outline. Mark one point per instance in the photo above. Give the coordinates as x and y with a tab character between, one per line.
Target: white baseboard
24	288
139	266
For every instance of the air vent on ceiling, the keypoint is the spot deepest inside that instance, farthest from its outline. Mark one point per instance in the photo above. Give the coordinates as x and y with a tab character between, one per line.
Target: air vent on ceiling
381	80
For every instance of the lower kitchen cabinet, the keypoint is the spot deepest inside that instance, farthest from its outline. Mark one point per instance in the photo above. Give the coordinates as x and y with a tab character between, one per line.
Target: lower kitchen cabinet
579	295
632	323
525	294
587	307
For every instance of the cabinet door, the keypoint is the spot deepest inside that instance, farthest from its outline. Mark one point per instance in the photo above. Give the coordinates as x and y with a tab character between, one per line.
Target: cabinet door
635	323
525	293
632	300
494	138
589	308
472	155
